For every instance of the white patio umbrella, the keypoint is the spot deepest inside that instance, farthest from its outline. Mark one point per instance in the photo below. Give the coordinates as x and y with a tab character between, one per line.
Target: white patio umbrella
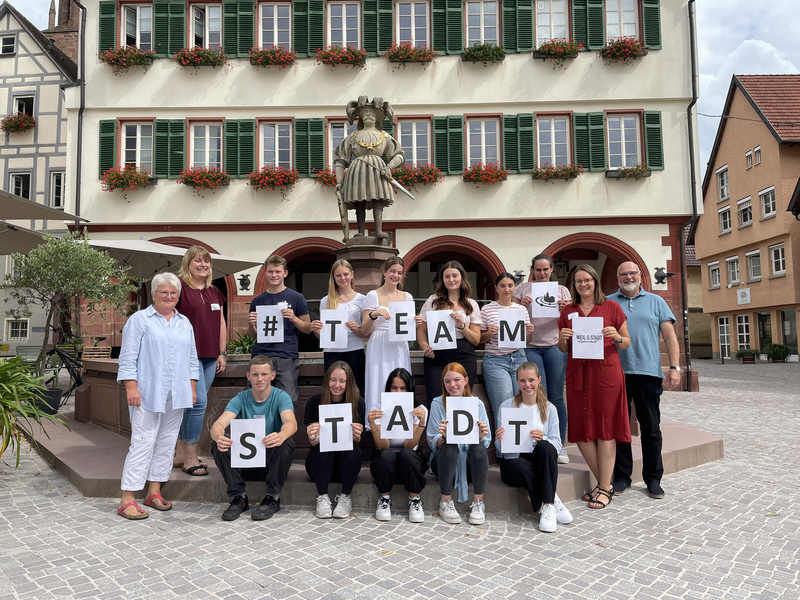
17	208
17	239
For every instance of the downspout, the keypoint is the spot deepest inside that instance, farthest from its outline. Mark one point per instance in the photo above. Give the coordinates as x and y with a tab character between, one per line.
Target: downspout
693	173
81	109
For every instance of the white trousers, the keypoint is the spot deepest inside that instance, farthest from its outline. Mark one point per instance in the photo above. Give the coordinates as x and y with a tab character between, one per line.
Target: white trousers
153	437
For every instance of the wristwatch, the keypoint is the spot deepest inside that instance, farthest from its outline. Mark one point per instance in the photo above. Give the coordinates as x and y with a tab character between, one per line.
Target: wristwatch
223	353
678	369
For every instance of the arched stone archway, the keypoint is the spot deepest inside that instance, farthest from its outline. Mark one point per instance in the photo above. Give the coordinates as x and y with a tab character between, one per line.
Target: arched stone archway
309	249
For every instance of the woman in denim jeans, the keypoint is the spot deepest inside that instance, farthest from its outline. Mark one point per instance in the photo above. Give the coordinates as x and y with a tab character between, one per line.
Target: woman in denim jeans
500	364
542	350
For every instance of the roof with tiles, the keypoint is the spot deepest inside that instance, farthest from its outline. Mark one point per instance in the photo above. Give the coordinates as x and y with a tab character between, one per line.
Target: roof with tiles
691	259
777	98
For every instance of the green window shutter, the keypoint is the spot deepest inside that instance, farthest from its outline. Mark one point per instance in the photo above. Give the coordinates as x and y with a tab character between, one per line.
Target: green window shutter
108	145
448	144
595	25
108	25
448	26
308	20
169	26
316	27
309	146
597	141
518	25
388	126
169	156
240	147
510	142
230	28
580	139
526	135
439	26
161	28
440	148
580	32
247	28
177	27
385	24
300	27
653	140
369	26
651	23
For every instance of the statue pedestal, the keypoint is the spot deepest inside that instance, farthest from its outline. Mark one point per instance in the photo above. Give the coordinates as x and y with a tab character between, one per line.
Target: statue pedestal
367	260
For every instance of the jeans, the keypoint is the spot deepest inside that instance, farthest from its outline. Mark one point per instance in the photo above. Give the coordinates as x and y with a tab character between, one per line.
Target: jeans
444	464
192	423
552	365
500	377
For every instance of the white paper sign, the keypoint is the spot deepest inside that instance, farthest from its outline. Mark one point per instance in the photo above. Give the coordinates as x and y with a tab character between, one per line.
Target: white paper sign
402	327
334	331
545	299
397	422
587	337
512	332
518	424
247	450
269	325
441	329
462	420
335	431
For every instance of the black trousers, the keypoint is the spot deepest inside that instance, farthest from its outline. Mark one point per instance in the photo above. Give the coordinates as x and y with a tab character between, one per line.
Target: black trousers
535	471
444	464
406	466
464	354
645	393
324	467
355	359
279	460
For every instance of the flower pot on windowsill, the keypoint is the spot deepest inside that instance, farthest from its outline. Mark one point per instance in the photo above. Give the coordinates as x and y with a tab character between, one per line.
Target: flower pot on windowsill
484	174
623	50
484	53
125	179
201	57
405	53
201	179
335	56
560	51
548	173
276	56
122	59
17	123
629	173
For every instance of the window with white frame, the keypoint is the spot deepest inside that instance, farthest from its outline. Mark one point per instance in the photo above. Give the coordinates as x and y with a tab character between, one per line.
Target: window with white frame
621	19
748	157
713	274
745	211
483	141
276	144
207	145
275	24
20	184
412	23
16	330
137	145
551	21
767	202
757	154
553	137
11	267
24	105
777	257
724	219
623	141
743	330
724	337
753	265
57	189
344	24
733	269
722	183
415	138
8	44
137	26
337	131
482	23
207	25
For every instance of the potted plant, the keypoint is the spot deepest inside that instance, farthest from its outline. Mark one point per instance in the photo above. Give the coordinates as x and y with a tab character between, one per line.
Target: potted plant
411	177
624	50
559	51
408	53
326	178
271	177
275	56
17	123
125	179
777	352
122	59
747	355
204	178
201	57
348	56
485	174
548	172
243	344
485	53
633	173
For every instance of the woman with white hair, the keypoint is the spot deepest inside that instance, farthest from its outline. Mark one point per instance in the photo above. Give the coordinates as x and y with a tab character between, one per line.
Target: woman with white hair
158	365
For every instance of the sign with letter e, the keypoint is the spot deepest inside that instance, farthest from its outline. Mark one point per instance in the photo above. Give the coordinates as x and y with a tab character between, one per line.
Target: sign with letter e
334	331
402	327
247	450
269	325
397	422
462	420
441	329
335	433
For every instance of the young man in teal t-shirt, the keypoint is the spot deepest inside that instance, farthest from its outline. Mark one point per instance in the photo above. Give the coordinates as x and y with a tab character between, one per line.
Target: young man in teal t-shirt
275	406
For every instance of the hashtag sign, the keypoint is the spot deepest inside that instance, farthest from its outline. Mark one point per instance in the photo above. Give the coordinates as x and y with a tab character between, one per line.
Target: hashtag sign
270	325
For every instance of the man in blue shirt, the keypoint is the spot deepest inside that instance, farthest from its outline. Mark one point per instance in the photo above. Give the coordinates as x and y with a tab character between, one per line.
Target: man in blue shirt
262	401
284	356
648	317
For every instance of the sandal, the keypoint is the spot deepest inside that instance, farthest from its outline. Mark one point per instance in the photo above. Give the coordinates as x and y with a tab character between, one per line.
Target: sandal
590	496
165	504
180	465
140	512
193	470
597	503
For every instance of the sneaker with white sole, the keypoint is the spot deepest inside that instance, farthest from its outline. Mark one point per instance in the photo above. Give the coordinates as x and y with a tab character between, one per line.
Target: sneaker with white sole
448	512
563	516
563	457
477	513
547	518
344	504
415	512
323	507
384	510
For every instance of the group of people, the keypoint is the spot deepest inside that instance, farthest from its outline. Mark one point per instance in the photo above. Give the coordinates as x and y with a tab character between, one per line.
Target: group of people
167	364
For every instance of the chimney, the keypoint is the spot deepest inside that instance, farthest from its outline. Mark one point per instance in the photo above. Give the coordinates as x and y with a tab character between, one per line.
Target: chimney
51	21
64	12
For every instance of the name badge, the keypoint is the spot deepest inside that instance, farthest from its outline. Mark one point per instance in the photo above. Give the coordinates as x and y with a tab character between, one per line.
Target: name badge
571	316
215	307
258	416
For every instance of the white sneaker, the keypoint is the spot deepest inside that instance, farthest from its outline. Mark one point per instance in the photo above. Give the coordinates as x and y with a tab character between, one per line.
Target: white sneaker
415	512
448	512
477	513
563	515
323	507
344	504
384	510
563	457
547	518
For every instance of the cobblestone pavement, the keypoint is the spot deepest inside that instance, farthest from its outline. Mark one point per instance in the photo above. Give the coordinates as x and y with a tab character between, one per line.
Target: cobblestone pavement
729	529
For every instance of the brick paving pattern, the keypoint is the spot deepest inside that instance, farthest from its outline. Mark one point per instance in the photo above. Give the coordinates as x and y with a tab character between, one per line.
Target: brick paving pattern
729	529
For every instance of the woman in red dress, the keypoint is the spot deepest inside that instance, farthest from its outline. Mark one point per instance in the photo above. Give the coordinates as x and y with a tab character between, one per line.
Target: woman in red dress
597	406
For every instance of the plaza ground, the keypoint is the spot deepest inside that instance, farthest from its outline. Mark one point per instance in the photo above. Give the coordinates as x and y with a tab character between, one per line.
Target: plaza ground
728	529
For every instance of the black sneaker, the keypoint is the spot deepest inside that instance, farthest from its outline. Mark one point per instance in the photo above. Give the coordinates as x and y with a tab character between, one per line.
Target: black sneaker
268	507
655	490
620	487
238	505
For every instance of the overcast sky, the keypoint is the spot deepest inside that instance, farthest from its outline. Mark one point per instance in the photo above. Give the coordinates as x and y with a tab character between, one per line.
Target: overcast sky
746	37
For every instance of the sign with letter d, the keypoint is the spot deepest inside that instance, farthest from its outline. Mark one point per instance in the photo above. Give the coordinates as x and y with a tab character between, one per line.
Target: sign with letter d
462	420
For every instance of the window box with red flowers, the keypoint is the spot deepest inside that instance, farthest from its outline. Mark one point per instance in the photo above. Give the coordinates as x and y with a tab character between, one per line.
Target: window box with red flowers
485	53
623	50
411	177
407	53
204	178
631	173
121	60
559	51
17	123
335	56
126	179
272	177
276	56
326	178
550	172
201	57
487	174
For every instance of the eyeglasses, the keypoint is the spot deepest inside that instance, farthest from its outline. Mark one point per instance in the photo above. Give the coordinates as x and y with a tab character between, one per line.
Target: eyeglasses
627	274
167	294
583	281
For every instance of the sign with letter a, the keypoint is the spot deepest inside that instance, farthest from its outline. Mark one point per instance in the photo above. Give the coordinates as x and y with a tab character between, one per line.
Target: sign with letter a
512	332
402	327
335	433
334	331
441	329
247	450
462	420
269	325
397	422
